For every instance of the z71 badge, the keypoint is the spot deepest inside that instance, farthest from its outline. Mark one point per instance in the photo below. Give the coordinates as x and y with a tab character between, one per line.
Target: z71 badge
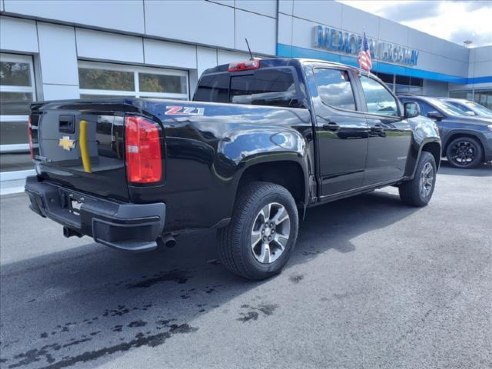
184	110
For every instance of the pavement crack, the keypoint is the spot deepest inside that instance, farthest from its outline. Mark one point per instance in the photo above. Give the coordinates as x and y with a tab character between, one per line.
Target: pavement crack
423	319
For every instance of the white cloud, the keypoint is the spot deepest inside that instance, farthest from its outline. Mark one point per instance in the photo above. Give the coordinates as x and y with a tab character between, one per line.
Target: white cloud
455	21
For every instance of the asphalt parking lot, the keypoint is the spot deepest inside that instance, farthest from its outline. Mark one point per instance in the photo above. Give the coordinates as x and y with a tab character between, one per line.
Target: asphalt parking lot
371	284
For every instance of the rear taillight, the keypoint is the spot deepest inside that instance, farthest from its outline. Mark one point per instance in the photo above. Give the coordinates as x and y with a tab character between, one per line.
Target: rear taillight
143	150
29	135
245	65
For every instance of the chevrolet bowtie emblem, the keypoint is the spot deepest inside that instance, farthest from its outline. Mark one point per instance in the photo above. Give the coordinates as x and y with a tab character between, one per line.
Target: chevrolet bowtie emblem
66	143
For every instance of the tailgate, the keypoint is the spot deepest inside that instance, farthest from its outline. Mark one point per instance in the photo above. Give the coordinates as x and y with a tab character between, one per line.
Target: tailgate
81	148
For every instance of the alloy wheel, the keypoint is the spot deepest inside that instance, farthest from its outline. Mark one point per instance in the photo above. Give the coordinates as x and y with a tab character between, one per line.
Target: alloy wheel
426	180
270	233
463	153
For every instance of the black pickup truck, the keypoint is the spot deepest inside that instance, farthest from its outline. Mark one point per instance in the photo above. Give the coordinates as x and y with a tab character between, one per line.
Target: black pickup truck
261	142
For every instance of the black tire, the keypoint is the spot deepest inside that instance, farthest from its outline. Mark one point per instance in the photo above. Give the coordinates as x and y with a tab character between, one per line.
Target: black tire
464	152
235	242
419	190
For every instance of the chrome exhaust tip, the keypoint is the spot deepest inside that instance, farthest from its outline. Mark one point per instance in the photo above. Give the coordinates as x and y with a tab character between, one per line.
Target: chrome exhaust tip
167	241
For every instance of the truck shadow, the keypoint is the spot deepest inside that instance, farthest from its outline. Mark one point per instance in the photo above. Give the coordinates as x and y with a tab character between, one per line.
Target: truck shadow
332	226
74	307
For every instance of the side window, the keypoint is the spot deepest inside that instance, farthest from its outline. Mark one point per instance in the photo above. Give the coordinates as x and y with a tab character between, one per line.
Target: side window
425	108
334	88
461	107
378	99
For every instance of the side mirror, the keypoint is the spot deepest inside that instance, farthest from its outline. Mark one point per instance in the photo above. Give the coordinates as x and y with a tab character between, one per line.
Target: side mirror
435	115
470	113
411	109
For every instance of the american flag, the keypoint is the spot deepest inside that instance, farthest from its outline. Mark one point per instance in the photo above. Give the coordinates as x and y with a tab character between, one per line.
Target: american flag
364	58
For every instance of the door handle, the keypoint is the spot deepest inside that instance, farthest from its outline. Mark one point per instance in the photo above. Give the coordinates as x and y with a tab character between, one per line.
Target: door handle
331	126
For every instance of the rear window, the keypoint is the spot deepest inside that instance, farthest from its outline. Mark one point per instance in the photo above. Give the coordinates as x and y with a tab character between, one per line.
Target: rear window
272	87
213	88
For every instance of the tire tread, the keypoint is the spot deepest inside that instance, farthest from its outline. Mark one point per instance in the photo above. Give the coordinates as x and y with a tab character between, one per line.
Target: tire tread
229	238
409	190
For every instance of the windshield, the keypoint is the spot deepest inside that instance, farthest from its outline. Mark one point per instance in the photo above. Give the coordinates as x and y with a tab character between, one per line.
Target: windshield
447	108
461	106
479	109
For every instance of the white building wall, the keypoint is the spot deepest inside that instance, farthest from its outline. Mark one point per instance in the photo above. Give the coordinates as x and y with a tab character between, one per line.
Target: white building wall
265	7
58	61
162	53
25	32
99	45
480	65
320	12
480	62
191	21
435	88
286	6
144	33
259	30
93	13
355	20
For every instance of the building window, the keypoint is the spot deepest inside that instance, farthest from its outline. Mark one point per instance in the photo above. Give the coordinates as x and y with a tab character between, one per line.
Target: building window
402	84
17	92
483	97
101	79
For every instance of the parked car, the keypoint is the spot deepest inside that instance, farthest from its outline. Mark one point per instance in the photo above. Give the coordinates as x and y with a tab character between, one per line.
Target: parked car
132	173
469	107
466	141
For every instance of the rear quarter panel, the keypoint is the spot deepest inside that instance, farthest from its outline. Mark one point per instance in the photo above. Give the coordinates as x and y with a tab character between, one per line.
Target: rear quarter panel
208	147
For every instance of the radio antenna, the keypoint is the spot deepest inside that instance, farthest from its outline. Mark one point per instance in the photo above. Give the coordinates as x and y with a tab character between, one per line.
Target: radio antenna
250	53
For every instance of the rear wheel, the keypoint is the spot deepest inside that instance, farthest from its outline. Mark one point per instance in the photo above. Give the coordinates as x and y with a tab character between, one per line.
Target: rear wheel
419	190
464	152
262	233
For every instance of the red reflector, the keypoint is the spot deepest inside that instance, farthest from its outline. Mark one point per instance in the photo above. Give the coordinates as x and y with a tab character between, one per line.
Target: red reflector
29	135
245	65
143	150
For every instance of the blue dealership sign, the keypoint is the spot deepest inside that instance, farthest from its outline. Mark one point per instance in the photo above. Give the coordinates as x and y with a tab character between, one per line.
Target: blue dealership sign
349	43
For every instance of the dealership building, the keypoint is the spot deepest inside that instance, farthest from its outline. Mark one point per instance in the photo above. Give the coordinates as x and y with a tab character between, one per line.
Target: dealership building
146	48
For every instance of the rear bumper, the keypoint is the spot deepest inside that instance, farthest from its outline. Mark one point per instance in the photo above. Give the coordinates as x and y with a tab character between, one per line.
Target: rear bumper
133	227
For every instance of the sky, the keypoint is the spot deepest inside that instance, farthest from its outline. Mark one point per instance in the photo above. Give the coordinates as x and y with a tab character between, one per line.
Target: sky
455	21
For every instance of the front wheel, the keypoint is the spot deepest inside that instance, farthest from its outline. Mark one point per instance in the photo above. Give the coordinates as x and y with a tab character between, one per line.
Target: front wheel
464	152
419	190
262	233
